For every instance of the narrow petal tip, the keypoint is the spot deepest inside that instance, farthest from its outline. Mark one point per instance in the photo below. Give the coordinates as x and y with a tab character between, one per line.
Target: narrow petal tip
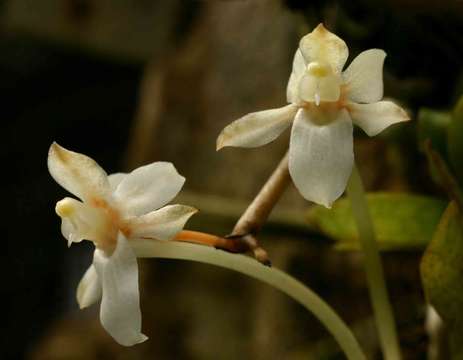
54	145
89	289
193	210
142	338
83	305
56	150
327	204
220	142
404	115
320	27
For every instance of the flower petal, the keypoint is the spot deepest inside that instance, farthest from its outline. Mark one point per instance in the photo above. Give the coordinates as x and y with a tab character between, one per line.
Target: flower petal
258	128
89	288
297	72
364	77
321	157
322	46
115	180
162	224
120	305
374	118
77	173
148	188
79	221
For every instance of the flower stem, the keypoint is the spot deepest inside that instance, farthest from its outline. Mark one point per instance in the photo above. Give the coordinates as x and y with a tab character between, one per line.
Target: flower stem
258	211
260	208
378	292
272	276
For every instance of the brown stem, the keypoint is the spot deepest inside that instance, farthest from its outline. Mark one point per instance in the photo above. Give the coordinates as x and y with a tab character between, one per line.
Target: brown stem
258	211
242	238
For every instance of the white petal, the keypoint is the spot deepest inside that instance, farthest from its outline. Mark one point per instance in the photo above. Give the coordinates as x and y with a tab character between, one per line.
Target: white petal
364	77
148	188
162	224
257	129
316	89
77	173
120	305
89	288
321	157
374	118
297	72
79	221
115	180
323	46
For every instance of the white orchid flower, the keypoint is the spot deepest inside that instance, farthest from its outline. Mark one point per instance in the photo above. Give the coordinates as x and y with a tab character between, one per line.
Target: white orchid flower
323	103
114	212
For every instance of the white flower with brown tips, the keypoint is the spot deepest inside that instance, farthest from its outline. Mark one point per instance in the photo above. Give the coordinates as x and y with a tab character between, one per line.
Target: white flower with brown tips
113	212
324	103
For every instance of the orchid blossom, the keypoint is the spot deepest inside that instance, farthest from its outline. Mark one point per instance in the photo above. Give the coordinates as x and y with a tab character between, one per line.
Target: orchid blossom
113	213
323	104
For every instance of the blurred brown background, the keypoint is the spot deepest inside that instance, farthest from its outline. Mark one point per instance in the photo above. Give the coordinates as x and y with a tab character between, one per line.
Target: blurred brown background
130	82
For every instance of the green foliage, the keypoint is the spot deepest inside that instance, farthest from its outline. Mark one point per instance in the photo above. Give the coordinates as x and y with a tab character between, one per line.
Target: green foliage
455	141
433	125
442	263
442	275
444	130
402	221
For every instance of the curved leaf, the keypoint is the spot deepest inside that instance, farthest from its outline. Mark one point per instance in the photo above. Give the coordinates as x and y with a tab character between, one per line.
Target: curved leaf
402	221
442	274
455	141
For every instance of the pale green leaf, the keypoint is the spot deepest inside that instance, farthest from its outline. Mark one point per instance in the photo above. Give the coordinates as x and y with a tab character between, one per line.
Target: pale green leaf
402	221
442	275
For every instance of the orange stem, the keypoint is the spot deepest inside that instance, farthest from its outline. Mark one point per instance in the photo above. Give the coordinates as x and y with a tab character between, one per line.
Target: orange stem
203	239
239	244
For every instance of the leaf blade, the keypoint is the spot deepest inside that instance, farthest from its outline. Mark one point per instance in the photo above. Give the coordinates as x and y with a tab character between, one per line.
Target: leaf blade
402	221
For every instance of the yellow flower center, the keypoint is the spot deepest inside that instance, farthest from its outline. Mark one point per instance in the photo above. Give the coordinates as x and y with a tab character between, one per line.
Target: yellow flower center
96	221
65	208
318	70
